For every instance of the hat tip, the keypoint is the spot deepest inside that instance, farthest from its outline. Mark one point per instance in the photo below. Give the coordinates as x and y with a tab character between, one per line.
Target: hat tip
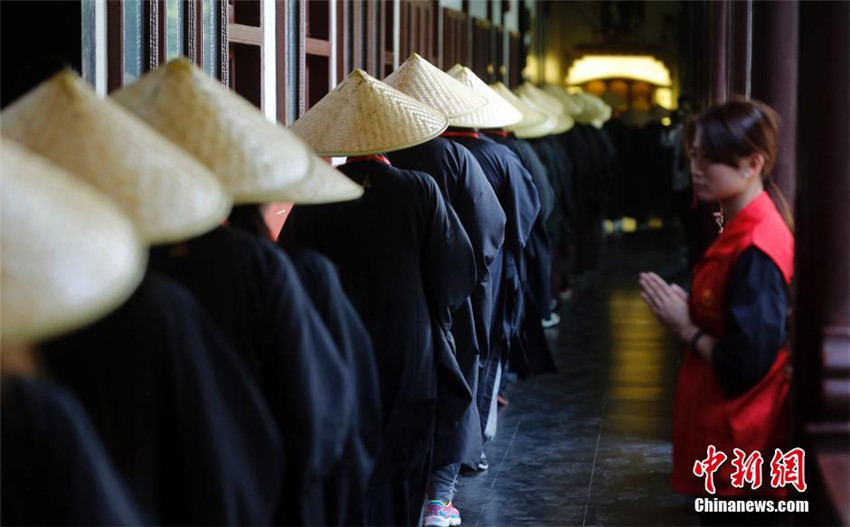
181	64
68	79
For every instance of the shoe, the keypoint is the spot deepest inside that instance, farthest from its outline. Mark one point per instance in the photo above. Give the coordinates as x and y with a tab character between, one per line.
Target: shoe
482	464
441	514
479	465
550	322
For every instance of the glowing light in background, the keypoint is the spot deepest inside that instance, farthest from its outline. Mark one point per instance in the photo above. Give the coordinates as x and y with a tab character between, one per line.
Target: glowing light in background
637	67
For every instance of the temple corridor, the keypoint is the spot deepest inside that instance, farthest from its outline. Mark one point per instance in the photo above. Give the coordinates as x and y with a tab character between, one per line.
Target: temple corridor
591	445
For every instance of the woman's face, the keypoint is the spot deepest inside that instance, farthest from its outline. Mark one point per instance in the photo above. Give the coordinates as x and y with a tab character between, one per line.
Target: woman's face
716	181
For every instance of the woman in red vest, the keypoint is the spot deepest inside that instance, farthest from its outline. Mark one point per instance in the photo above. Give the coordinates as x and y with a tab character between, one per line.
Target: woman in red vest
733	383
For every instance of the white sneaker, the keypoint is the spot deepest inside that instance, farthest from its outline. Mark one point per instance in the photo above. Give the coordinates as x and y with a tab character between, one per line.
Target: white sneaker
551	322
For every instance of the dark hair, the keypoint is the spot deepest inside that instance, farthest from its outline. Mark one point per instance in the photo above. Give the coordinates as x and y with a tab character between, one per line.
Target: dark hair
736	129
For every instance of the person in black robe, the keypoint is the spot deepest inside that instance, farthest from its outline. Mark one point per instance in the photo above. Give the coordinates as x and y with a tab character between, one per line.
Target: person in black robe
561	224
515	190
252	292
344	487
406	264
581	153
178	413
601	156
55	470
530	354
467	191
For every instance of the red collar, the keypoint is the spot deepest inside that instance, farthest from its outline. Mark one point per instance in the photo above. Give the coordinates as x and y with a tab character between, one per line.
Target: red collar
456	133
752	213
500	133
378	158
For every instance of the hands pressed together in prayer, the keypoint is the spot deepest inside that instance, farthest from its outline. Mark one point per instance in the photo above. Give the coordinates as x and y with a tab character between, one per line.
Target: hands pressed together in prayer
669	304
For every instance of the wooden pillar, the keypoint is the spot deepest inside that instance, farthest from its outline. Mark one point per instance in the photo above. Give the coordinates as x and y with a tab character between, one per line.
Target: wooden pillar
740	48
774	77
719	38
821	340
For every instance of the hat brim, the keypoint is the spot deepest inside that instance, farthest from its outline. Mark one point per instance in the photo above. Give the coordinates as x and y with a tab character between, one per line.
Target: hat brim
56	284
324	184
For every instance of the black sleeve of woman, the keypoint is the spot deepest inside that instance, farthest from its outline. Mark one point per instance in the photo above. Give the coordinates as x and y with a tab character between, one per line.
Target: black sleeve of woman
755	323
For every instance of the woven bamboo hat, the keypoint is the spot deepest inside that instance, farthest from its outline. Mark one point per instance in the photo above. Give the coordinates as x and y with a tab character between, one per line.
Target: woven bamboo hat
498	113
592	107
530	116
603	118
570	105
165	191
428	84
53	284
562	122
536	130
325	184
549	104
362	116
255	159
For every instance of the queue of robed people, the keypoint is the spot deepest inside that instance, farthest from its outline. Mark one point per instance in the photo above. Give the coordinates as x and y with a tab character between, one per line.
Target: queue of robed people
204	374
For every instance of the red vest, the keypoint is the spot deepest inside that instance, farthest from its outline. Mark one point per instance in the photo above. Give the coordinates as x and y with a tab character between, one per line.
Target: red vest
702	414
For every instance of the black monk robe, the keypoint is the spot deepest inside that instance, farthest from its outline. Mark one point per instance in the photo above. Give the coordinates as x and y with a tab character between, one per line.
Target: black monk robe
178	413
515	190
346	485
539	246
466	189
55	470
561	223
406	264
253	294
530	354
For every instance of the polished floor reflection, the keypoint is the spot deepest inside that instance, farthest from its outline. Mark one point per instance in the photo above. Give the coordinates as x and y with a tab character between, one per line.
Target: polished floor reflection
591	445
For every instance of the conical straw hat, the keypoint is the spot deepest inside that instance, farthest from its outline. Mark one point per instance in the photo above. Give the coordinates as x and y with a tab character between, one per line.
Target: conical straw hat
58	280
530	116
324	185
255	159
428	84
498	112
168	194
592	107
561	122
543	100
570	105
603	118
362	116
454	70
536	130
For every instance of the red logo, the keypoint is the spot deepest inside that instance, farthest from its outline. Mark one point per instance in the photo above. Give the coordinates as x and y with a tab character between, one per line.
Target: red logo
785	469
708	466
747	469
789	468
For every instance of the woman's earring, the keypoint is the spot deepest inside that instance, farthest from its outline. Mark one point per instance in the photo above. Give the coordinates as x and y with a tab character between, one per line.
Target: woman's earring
719	218
747	174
